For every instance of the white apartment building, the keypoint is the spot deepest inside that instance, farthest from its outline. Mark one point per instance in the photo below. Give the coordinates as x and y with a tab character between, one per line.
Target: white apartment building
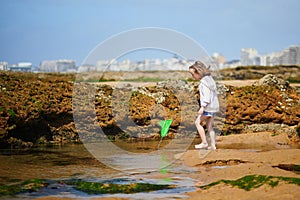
3	66
144	65
86	68
21	66
57	66
249	56
288	56
219	60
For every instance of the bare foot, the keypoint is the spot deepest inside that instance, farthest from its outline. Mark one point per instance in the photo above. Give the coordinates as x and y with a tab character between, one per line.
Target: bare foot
198	184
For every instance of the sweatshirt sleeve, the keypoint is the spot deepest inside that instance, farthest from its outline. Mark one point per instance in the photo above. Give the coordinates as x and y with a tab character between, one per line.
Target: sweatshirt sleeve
205	94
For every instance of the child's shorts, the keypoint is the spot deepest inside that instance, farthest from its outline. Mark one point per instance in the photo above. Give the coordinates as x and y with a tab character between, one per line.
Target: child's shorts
209	114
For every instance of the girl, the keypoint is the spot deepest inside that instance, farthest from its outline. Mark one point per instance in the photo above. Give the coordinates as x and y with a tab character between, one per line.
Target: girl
208	101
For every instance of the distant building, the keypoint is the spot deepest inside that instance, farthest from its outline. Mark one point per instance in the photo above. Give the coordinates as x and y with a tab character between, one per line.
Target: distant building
3	66
86	68
144	65
232	64
249	56
57	66
219	59
103	65
21	66
288	56
270	59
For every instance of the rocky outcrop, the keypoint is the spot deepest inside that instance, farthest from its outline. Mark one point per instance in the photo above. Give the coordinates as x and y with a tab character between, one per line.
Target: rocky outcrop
138	109
270	100
32	106
289	73
38	108
273	81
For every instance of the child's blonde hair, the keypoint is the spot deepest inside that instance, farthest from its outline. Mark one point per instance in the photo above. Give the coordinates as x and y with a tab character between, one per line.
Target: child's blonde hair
200	68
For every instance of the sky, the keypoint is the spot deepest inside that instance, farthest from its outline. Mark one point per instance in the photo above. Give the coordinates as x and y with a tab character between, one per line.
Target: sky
37	30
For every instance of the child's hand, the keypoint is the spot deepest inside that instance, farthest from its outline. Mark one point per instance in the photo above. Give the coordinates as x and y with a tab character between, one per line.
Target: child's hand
200	112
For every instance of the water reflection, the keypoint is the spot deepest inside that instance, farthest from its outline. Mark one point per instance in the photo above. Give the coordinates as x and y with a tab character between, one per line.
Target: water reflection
50	163
137	157
66	162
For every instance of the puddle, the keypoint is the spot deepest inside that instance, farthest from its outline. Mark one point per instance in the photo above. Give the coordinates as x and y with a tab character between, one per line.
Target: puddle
58	163
220	167
66	191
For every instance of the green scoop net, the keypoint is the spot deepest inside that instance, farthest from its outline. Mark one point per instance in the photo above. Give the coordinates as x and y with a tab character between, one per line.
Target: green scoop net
165	125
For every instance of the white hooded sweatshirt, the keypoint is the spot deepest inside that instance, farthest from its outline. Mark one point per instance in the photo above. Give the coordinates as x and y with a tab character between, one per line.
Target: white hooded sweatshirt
208	94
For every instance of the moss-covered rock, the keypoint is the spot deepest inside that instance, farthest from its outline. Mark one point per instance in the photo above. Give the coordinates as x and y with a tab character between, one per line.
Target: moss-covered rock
88	187
112	188
37	108
255	181
26	186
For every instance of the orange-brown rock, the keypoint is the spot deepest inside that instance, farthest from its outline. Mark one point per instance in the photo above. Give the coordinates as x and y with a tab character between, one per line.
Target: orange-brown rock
38	107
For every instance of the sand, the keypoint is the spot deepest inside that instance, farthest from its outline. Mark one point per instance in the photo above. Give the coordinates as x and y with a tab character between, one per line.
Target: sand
241	155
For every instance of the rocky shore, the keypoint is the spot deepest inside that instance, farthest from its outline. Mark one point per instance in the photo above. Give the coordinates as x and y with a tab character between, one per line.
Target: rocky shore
37	108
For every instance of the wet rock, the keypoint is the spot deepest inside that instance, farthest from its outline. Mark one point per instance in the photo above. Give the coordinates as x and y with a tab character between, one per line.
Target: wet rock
18	143
65	134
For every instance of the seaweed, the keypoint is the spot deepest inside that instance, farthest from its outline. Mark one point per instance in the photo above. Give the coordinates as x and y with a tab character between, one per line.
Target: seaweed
31	185
254	181
112	188
34	185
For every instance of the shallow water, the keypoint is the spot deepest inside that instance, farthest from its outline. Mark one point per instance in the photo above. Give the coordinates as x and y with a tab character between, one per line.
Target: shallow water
55	163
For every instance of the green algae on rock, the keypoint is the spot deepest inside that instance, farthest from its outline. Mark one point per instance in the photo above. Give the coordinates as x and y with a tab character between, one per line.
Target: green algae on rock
26	186
88	187
255	181
112	188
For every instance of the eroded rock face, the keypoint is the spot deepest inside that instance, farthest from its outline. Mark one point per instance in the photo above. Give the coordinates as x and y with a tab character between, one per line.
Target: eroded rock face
262	104
131	107
31	104
39	110
269	100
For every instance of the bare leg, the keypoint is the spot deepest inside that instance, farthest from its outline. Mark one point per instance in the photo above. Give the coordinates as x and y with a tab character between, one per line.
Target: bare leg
200	128
209	124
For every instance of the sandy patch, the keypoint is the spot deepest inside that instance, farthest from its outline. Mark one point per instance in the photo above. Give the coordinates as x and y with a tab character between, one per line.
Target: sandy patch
241	155
224	192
